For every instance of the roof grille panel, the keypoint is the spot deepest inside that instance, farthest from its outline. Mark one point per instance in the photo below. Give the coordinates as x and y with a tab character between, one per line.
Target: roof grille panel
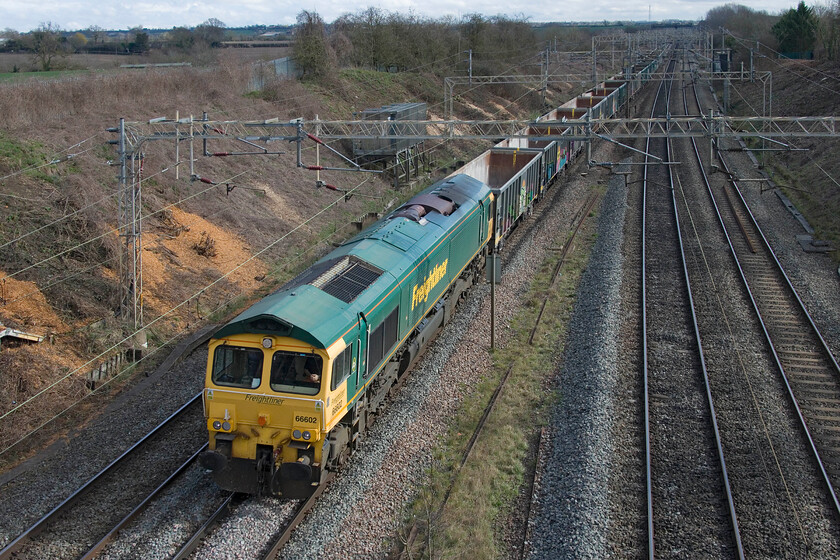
348	278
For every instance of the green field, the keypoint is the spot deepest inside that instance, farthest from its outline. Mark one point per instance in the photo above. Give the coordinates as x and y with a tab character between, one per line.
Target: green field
23	76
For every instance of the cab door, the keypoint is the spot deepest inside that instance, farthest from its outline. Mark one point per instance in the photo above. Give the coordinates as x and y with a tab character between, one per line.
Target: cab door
482	223
361	351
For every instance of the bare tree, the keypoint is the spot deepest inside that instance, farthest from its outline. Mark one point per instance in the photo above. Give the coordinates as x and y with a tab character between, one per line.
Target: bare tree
828	29
97	33
743	21
312	52
46	43
211	32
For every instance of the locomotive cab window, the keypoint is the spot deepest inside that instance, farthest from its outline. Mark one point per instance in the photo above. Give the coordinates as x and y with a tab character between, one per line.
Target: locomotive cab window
296	372
234	366
342	366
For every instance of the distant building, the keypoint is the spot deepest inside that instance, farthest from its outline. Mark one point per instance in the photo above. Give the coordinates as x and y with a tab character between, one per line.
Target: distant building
266	72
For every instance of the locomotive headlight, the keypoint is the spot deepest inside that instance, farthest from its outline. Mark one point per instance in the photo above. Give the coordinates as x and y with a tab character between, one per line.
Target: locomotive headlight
217	425
267	342
226	426
307	435
296	434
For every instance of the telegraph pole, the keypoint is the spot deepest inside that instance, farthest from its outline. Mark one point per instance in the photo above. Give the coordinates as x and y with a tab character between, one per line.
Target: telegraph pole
545	75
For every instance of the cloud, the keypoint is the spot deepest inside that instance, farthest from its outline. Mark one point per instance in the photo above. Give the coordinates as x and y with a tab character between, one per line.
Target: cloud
80	14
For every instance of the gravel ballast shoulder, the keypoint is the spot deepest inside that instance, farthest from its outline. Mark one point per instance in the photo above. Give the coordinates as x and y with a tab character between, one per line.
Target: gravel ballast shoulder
41	483
571	519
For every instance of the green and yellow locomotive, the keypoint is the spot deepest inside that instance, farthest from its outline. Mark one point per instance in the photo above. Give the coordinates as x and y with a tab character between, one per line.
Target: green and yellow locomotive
291	382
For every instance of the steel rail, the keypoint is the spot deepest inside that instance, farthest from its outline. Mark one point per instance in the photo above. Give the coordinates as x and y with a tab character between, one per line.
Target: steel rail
221	512
284	536
97	548
646	387
700	352
584	211
525	548
785	378
783	274
413	532
736	531
36	528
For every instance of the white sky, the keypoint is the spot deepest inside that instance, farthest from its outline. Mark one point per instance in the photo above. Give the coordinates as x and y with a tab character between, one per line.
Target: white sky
23	15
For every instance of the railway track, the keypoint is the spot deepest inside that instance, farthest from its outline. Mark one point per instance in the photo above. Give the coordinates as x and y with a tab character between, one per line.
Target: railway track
776	497
689	501
805	365
230	506
778	506
83	524
808	367
232	503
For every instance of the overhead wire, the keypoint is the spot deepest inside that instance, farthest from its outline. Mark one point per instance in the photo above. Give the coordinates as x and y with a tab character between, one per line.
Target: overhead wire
53	161
79	210
56	255
12	275
788	69
68	216
151	323
470	89
110	232
167	313
100	201
807	153
306	149
75	274
40	289
303	96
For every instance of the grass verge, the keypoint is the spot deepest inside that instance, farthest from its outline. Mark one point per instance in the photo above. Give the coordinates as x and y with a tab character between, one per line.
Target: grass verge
814	196
483	498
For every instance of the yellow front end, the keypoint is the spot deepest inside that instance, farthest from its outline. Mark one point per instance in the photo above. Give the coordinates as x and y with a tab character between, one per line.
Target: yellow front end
264	403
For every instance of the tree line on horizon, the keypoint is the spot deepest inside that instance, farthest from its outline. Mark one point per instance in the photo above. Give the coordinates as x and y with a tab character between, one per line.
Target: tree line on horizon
377	39
381	40
49	42
388	41
803	31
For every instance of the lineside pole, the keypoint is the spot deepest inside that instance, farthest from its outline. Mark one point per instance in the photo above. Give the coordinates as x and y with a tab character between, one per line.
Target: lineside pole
125	280
493	299
177	148
130	229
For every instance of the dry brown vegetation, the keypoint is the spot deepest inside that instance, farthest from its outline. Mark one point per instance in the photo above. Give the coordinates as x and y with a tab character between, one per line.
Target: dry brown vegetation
24	62
810	178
